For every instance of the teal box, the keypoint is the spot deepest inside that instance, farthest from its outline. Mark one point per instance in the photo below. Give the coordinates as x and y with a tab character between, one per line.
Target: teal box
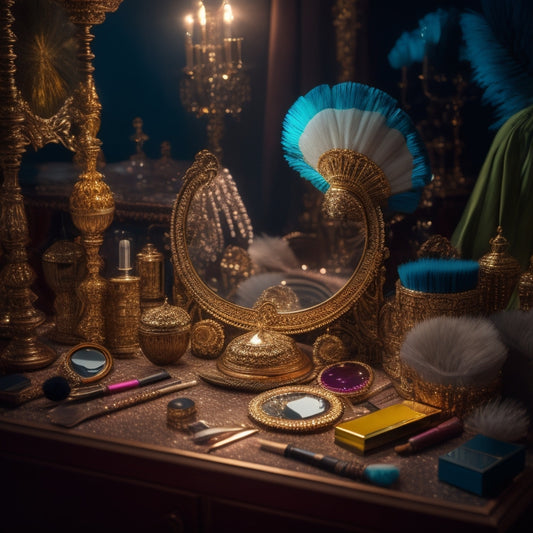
482	465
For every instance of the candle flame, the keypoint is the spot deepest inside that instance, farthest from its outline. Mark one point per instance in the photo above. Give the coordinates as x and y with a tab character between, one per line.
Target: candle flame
256	339
228	13
189	22
202	15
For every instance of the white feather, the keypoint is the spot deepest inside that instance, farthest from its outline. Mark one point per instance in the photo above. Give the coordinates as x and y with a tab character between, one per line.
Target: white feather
454	351
516	329
362	131
505	420
272	254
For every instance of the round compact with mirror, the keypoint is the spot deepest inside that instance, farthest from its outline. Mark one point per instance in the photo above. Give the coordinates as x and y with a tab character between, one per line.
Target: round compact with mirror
323	298
298	408
86	362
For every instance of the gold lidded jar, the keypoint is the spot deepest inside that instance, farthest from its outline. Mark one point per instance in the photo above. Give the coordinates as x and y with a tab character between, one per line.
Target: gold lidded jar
164	333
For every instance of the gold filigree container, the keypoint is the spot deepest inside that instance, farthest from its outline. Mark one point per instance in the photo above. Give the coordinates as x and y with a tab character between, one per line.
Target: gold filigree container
264	356
525	288
123	311
164	333
151	271
499	274
453	400
410	307
64	268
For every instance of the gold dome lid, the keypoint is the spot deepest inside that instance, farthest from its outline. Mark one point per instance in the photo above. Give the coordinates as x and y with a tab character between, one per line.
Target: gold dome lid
264	355
166	317
64	252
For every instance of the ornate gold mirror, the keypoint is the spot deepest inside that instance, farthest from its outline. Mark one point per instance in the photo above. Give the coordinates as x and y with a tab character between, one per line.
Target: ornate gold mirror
86	363
325	298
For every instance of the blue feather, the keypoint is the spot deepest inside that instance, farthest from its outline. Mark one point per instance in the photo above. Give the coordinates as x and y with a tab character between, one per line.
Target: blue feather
347	96
499	47
434	275
382	475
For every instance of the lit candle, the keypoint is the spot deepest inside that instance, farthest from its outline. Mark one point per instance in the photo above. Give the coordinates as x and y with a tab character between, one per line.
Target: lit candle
228	19
189	24
202	17
124	255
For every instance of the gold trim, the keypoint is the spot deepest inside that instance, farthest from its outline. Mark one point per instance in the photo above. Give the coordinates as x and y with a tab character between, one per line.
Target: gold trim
203	170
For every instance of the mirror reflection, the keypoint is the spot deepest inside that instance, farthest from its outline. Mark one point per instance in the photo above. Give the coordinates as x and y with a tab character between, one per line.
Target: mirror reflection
88	362
298	270
295	406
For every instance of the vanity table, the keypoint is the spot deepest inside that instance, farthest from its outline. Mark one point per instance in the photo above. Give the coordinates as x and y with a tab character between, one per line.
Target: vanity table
129	471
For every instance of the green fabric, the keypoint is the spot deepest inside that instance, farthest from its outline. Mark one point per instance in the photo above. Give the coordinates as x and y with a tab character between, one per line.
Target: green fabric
502	195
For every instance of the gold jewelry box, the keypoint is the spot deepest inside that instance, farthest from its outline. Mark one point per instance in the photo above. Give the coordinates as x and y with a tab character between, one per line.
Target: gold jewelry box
384	426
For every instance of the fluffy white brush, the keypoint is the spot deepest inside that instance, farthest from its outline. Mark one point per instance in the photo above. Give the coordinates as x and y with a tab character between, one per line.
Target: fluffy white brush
364	120
502	419
516	329
454	351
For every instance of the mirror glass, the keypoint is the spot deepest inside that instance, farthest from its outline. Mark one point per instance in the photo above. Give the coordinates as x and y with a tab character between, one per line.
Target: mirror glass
311	265
295	406
300	408
89	362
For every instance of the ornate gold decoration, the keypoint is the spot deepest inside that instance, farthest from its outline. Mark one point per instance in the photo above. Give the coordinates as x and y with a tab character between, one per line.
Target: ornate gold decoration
282	297
438	246
164	333
264	356
207	339
23	352
525	288
410	307
329	349
123	312
453	400
235	267
64	267
91	202
347	26
203	170
151	271
333	410
499	274
214	83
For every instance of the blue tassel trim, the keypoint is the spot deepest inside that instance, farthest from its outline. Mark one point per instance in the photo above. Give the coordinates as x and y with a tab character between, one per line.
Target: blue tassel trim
350	95
439	275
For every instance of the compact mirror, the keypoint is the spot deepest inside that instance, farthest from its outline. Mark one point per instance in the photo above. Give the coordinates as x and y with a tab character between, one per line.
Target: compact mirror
296	408
86	363
220	276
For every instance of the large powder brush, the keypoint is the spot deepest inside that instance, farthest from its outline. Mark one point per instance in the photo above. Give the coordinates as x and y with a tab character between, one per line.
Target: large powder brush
454	351
364	121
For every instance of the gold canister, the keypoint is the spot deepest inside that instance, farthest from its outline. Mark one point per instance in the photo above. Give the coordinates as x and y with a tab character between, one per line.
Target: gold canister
123	311
525	288
64	267
499	273
164	333
151	271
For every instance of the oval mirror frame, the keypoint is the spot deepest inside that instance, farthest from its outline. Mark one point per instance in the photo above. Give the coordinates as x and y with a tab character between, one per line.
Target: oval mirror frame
73	375
200	173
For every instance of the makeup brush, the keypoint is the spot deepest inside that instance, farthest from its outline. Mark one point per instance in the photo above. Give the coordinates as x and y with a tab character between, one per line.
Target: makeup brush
454	351
439	275
377	474
364	121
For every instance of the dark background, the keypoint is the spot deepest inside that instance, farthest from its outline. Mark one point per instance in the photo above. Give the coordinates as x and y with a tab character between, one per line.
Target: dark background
139	54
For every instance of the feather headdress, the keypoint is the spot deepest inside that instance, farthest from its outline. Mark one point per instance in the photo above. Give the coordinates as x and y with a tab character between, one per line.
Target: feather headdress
363	120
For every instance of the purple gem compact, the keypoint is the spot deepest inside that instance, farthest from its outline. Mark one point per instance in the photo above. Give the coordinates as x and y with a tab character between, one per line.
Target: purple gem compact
347	378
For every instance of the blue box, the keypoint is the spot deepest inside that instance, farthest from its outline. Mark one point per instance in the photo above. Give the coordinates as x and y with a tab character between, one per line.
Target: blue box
482	465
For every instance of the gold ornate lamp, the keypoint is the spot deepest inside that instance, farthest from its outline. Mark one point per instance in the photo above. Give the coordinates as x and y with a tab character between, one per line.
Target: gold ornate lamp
92	204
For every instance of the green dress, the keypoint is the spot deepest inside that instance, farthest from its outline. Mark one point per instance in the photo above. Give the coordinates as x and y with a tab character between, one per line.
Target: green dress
502	195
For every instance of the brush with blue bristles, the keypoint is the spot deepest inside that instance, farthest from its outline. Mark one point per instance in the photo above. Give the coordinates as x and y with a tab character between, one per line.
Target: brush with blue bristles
357	136
439	275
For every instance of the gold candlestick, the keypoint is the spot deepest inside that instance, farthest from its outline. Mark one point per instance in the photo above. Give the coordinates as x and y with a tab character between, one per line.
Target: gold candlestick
24	352
91	203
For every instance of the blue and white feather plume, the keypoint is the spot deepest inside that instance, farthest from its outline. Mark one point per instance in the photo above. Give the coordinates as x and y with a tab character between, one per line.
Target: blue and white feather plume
364	120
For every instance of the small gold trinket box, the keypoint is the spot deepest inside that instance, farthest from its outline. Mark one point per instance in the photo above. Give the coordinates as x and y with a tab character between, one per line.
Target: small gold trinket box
164	333
180	412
